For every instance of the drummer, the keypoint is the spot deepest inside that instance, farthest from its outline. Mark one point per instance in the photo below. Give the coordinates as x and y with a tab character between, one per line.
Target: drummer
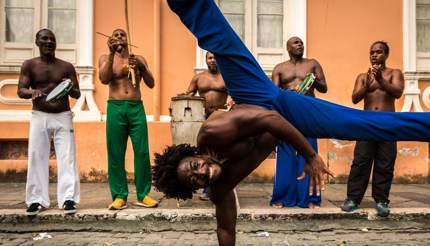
287	190
210	85
126	117
39	76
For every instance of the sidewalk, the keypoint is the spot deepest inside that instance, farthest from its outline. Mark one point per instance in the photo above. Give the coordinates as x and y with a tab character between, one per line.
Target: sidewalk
406	200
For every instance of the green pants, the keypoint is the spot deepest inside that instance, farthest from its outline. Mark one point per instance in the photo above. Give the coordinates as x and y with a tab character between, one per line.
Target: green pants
127	118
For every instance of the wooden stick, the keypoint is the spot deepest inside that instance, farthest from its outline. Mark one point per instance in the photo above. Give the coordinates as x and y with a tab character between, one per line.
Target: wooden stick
130	69
110	36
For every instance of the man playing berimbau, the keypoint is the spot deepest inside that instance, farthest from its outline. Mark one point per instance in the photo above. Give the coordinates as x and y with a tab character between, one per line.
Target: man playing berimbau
126	117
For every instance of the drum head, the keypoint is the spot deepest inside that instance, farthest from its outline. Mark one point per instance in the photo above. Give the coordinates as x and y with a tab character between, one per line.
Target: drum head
59	91
178	98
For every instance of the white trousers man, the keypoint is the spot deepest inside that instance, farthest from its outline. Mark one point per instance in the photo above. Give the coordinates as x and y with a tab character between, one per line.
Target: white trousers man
43	128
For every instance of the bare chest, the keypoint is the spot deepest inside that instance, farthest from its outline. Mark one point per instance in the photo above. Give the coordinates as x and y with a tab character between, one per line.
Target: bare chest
376	88
207	83
44	76
120	67
292	75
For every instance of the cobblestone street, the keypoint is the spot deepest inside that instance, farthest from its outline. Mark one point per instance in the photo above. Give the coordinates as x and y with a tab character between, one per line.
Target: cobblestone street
338	237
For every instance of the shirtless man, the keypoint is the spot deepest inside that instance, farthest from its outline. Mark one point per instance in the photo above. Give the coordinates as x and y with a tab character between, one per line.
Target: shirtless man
126	117
379	88
39	76
210	86
287	190
232	144
289	74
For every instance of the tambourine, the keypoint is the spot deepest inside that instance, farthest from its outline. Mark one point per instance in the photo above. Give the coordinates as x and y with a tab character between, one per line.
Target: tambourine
60	90
306	84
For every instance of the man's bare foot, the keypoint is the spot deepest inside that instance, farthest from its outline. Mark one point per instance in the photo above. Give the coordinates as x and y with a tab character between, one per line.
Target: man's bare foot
313	206
277	205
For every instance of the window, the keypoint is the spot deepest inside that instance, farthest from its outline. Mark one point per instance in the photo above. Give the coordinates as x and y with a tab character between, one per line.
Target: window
21	19
234	12
260	24
270	23
423	34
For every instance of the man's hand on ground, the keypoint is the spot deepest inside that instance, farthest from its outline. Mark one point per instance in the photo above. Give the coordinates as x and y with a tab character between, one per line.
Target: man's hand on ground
316	169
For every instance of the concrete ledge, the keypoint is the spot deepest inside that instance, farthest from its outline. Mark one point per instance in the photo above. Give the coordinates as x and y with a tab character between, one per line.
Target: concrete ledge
17	216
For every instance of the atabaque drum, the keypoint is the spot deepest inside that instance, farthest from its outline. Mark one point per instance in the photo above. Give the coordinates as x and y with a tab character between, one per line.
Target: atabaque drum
187	115
60	90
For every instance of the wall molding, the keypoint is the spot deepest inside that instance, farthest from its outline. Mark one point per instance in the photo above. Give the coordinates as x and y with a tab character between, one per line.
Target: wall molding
12	100
24	116
10	69
412	92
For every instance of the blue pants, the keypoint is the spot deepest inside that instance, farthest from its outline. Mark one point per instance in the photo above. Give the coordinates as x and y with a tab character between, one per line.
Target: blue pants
287	190
247	83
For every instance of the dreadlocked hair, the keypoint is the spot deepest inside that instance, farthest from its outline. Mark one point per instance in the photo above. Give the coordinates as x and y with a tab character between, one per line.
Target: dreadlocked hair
165	174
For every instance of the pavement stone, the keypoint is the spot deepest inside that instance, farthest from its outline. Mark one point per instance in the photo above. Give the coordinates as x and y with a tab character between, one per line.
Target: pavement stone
290	238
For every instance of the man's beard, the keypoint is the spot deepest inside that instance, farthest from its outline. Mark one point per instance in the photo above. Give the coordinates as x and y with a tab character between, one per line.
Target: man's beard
299	54
120	48
213	68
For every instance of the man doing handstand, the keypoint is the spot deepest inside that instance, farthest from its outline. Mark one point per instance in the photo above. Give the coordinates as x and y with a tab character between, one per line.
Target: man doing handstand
230	145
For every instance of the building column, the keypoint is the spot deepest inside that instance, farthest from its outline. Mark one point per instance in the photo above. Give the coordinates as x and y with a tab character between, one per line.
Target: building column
412	91
85	64
157	61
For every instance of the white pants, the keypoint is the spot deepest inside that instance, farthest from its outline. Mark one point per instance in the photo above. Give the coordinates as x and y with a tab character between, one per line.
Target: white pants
59	127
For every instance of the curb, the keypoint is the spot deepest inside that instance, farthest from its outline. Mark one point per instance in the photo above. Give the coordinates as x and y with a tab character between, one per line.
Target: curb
17	216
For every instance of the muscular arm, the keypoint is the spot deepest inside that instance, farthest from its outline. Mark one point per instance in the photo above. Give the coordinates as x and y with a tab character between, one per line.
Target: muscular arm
24	90
226	219
276	125
105	68
276	76
360	88
75	92
192	87
245	122
146	74
320	84
396	86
